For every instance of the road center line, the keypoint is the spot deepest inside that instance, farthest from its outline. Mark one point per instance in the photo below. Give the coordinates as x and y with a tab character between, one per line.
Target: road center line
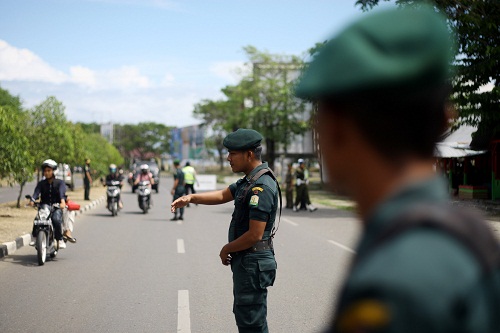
289	221
183	313
180	246
342	246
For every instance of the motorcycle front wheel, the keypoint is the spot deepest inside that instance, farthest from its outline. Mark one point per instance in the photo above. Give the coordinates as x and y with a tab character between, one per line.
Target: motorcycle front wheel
115	209
41	247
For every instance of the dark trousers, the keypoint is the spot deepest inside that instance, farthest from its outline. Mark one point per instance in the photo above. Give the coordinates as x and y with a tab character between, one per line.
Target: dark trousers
177	195
302	196
188	187
252	274
289	197
86	184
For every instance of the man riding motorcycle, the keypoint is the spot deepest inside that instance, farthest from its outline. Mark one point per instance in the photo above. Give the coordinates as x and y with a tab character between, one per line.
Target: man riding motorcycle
115	176
145	175
52	191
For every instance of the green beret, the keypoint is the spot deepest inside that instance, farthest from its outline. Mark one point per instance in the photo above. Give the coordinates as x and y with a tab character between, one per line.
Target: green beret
242	139
177	162
403	49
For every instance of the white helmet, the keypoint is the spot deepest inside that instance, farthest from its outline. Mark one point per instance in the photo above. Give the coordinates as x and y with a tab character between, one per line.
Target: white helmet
49	163
144	167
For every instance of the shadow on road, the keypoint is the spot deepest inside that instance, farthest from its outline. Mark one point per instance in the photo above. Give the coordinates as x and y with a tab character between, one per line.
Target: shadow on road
323	213
29	260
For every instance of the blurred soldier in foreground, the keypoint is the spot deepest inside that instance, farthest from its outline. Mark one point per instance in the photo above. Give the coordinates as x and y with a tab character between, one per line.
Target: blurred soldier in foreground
381	87
250	248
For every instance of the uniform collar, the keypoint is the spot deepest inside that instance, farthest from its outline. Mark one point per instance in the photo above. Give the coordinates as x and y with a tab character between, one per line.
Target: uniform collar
257	169
433	190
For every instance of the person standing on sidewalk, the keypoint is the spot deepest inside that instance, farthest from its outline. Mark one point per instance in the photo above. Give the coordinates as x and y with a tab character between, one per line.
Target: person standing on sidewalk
178	190
87	179
422	266
302	190
189	178
250	248
289	186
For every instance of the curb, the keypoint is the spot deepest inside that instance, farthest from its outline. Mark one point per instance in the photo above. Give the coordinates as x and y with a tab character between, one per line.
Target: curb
9	248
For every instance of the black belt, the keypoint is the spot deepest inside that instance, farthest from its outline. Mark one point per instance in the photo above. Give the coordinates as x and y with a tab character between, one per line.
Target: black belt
259	246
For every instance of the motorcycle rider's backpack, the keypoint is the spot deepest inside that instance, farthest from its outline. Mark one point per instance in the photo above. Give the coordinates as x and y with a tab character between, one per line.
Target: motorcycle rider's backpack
472	232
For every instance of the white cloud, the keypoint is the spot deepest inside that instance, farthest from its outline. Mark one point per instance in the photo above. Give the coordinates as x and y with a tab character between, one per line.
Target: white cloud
83	76
121	95
22	64
231	71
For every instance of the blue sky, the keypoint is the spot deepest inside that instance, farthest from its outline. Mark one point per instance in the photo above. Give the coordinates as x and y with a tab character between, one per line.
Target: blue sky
148	60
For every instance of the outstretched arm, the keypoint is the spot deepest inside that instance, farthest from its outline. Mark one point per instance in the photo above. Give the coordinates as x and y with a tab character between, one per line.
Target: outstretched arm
208	198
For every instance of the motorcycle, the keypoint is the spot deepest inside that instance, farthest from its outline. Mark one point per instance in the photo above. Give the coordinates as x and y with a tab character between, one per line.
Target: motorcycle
43	231
144	195
113	194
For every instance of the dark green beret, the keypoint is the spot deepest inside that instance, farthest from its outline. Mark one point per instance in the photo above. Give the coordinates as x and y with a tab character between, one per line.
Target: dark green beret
403	49
177	162
242	139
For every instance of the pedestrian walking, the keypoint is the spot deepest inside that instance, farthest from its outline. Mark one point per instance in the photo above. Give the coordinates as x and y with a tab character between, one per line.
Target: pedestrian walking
87	179
250	248
189	178
289	186
302	200
178	190
382	88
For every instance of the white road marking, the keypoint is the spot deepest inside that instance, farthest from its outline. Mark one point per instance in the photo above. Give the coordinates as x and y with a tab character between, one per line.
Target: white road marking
289	221
180	246
183	313
342	246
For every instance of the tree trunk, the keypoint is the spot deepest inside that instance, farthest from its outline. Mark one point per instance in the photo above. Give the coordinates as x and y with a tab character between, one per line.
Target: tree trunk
271	152
20	194
221	159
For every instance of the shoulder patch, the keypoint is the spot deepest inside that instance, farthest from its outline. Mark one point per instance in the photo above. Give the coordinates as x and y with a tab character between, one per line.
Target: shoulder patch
254	200
367	315
260	189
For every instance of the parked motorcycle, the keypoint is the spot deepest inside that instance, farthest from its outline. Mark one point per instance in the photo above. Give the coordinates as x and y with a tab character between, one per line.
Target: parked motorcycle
144	195
113	194
43	231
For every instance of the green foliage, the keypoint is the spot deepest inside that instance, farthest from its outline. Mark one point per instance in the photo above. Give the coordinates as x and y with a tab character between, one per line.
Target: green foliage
101	153
27	138
144	138
90	127
16	163
50	134
477	26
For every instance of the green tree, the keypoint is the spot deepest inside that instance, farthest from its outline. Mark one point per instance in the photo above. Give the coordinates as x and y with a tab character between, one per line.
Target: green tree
477	64
17	163
50	133
144	138
102	153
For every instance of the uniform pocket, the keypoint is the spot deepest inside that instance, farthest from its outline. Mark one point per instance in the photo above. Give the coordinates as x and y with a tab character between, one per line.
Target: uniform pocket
267	272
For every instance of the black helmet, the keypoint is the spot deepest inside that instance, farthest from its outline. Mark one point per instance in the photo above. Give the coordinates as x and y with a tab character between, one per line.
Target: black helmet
49	163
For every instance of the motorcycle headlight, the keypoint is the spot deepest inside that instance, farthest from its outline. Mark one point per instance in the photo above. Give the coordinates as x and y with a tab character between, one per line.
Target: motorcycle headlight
44	212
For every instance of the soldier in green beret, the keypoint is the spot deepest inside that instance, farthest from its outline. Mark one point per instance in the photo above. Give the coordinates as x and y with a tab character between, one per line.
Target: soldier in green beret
381	88
250	248
178	190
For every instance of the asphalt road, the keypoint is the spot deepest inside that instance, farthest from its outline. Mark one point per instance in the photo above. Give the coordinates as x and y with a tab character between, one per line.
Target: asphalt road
144	273
8	193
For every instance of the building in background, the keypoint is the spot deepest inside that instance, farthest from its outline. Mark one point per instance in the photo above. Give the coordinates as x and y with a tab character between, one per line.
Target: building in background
187	143
107	131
